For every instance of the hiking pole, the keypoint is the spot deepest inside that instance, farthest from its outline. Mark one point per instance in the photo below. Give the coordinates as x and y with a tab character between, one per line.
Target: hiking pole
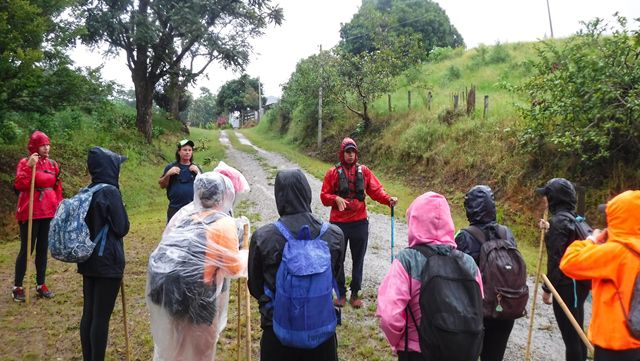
567	312
393	223
535	290
124	320
245	244
30	229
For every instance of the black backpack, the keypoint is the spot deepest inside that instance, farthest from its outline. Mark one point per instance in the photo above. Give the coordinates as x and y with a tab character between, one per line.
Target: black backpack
583	229
504	275
451	305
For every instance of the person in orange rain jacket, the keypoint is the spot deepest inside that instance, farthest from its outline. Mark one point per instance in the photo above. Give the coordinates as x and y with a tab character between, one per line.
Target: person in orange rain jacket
611	259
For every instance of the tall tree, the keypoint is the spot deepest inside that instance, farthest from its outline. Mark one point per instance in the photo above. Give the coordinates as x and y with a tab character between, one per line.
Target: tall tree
158	35
203	109
238	94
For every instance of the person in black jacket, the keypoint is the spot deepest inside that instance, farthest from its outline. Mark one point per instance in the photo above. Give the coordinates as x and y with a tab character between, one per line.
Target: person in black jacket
480	208
561	231
293	200
102	272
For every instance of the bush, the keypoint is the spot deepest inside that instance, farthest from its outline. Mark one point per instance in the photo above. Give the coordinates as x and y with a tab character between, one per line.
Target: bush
453	73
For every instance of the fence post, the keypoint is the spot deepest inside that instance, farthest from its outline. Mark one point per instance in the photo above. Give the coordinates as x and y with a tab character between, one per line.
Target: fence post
429	100
389	102
409	98
485	112
455	102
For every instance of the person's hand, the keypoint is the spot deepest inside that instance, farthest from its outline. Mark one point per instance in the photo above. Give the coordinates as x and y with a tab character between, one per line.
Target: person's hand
174	171
599	236
194	168
341	203
543	224
546	298
33	159
393	201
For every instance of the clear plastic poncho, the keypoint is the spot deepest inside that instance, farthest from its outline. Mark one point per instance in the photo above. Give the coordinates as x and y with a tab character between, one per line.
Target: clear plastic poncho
188	273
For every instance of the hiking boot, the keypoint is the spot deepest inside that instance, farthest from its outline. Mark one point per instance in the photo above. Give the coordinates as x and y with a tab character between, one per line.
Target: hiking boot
43	291
18	294
356	302
340	302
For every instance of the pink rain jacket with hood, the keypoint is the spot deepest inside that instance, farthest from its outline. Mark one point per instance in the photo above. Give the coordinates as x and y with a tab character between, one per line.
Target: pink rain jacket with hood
430	223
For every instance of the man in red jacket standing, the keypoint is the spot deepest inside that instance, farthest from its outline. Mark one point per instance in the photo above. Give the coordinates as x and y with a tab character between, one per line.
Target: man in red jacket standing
343	189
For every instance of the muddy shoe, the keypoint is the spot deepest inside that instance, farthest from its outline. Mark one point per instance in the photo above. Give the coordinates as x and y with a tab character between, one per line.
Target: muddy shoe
340	302
18	294
43	291
356	302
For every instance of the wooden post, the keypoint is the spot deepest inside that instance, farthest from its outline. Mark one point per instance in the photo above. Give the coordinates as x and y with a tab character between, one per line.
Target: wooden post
485	112
580	195
429	100
455	102
319	107
389	102
409	98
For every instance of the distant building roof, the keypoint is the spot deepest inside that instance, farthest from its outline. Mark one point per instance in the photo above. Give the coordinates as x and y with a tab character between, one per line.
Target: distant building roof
271	100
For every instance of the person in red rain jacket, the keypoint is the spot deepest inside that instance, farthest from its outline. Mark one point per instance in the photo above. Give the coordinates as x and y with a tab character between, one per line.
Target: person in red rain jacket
46	197
343	189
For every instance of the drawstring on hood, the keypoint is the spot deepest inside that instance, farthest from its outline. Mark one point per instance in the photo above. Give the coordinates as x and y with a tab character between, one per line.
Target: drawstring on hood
430	222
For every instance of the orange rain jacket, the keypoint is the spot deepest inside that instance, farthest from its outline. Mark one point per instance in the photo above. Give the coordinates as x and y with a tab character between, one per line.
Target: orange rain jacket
612	267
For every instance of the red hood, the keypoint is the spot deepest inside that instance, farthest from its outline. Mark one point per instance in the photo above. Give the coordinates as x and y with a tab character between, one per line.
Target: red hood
37	139
346	141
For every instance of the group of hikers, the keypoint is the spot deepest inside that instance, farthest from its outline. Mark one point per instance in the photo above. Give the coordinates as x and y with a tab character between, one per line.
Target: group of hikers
447	296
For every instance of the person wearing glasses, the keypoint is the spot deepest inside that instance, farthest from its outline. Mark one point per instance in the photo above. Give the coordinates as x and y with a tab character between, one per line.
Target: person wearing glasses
178	178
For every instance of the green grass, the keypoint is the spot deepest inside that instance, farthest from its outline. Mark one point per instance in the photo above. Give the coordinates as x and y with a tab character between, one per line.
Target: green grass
235	142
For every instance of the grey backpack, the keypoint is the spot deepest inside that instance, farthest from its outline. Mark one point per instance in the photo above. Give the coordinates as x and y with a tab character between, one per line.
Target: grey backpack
633	316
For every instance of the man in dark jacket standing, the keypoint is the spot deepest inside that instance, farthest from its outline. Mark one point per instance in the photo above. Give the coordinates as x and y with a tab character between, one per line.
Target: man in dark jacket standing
561	231
343	189
102	272
480	207
293	200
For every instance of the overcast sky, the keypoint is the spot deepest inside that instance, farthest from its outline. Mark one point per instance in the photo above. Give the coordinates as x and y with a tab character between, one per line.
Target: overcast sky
311	23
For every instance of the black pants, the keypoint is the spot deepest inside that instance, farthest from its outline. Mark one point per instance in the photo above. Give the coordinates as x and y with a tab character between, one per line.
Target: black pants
272	350
496	335
100	296
356	235
575	349
602	354
39	243
409	356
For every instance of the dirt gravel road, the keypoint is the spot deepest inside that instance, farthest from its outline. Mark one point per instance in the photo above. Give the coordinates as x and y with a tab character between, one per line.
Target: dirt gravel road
259	170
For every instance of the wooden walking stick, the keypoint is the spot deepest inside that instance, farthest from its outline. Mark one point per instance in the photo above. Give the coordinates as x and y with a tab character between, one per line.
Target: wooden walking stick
30	230
567	312
124	320
535	290
238	330
245	245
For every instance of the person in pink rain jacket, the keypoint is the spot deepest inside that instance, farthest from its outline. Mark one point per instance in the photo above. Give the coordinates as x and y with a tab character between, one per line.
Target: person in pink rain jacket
430	223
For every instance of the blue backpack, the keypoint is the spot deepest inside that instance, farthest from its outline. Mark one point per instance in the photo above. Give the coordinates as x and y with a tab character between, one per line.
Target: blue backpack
69	237
303	311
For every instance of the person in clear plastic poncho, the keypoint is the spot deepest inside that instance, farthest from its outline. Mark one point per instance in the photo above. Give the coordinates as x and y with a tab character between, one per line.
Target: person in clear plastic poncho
189	272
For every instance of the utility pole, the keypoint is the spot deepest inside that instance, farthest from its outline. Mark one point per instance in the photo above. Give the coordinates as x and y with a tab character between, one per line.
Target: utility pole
320	103
259	100
550	24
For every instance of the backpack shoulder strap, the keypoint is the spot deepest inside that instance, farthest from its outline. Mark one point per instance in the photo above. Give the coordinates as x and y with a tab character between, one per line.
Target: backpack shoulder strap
283	230
477	233
502	231
323	229
424	250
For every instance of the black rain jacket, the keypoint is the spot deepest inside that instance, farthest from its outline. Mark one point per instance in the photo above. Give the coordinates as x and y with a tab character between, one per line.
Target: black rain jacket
561	196
106	208
293	200
480	207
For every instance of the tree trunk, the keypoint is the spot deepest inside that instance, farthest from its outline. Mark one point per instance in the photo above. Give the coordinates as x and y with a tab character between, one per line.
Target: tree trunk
144	104
365	116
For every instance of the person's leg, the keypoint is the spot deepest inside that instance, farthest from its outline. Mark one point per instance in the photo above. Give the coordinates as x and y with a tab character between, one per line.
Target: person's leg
271	349
88	286
359	239
42	248
105	295
575	349
21	259
341	276
602	354
327	351
496	335
170	212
